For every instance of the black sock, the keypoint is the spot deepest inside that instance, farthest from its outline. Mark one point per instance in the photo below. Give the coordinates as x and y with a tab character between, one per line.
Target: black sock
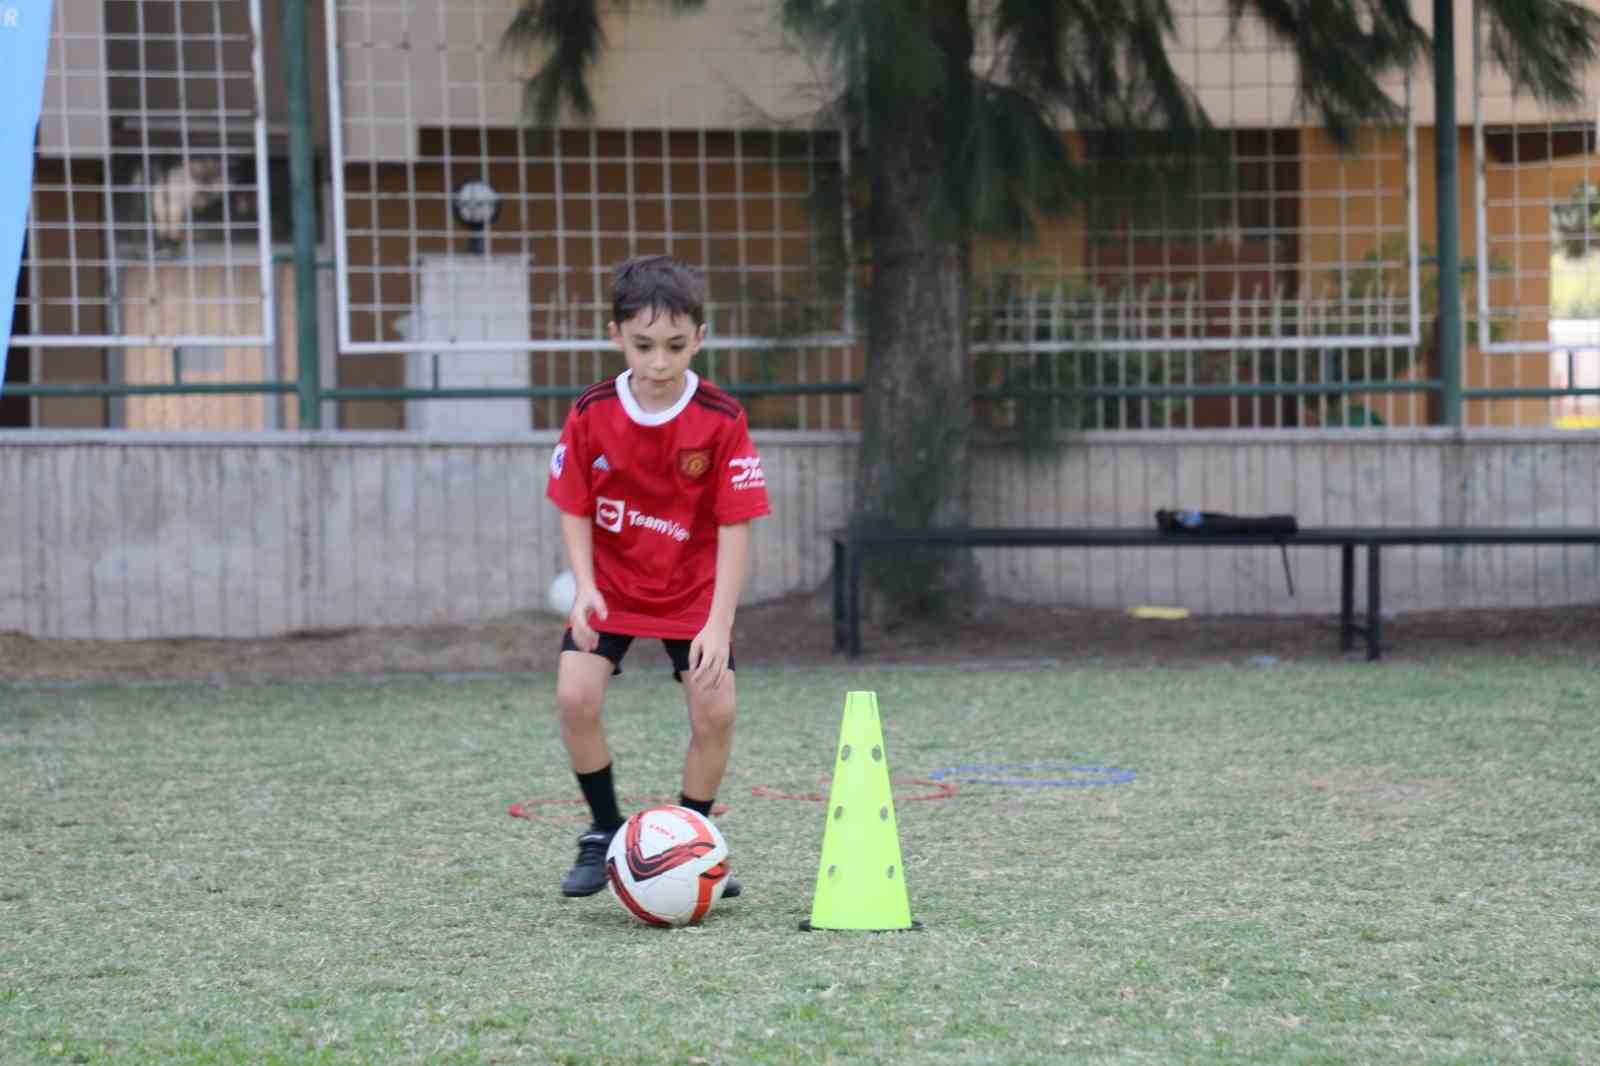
601	795
698	806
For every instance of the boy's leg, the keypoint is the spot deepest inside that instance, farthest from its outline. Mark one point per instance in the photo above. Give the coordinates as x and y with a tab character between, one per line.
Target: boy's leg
711	714
580	694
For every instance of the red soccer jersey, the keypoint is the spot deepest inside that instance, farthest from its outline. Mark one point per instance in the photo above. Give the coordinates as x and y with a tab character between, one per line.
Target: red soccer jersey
658	484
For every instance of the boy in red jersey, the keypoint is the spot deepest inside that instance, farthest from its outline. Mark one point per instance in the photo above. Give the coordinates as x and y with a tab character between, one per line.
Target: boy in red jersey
657	482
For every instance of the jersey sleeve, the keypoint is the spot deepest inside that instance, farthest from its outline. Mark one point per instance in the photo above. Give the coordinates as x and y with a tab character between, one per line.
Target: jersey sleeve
568	483
741	486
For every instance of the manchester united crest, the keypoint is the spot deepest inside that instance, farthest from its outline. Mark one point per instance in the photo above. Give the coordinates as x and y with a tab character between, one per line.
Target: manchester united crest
694	462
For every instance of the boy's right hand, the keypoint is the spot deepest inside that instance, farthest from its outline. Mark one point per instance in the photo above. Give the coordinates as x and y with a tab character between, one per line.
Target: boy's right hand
588	601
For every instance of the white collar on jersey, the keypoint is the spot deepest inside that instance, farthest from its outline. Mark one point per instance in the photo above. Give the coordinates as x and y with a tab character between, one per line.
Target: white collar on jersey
691	381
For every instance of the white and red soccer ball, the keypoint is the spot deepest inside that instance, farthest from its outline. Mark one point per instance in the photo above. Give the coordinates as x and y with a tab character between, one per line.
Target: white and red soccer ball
667	866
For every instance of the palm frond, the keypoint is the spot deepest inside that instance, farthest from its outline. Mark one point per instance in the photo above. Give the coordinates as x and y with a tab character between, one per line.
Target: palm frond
571	30
1343	50
1545	46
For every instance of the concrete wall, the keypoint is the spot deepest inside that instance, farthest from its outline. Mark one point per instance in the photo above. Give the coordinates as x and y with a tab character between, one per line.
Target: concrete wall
123	535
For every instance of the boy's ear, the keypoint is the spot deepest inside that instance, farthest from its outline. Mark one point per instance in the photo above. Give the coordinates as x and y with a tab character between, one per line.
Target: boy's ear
616	334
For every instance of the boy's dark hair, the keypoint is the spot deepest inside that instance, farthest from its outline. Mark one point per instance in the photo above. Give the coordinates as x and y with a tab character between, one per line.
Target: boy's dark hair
658	283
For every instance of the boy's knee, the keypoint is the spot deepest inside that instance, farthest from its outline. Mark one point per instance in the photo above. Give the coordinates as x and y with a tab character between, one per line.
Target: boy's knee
714	712
577	700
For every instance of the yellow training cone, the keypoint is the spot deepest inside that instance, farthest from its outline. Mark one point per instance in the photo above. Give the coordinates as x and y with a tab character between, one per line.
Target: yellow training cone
860	881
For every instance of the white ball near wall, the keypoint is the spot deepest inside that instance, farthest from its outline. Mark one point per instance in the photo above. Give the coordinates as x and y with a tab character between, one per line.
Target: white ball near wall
562	592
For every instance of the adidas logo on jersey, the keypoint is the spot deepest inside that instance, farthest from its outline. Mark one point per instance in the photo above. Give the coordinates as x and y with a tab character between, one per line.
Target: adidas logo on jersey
600	464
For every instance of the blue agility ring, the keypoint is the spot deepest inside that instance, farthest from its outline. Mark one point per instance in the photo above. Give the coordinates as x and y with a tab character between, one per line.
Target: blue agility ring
1003	774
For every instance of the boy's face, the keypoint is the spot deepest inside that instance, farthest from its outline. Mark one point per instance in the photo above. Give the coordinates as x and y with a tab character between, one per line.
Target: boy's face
658	346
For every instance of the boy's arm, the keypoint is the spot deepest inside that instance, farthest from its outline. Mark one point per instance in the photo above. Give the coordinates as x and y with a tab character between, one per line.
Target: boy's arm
577	533
708	652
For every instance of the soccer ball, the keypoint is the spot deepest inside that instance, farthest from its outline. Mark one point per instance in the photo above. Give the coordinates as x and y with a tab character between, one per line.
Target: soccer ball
667	866
562	592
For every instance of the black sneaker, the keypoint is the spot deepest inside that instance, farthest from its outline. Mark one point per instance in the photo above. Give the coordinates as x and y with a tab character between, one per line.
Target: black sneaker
588	874
731	888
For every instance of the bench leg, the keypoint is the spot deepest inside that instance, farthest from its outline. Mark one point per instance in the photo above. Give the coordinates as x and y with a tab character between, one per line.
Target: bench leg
840	632
855	556
1347	597
1374	603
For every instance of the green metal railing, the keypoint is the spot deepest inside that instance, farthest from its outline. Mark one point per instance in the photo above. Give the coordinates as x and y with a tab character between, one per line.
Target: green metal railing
1447	201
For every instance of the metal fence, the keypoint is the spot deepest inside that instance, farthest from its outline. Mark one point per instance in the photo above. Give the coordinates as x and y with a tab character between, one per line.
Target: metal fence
1537	223
474	253
149	252
378	240
1050	359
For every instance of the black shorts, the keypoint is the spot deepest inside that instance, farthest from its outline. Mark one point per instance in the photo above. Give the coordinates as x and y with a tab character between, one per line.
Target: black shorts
614	646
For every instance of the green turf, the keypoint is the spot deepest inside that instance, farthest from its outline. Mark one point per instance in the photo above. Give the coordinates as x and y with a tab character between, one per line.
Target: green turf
1344	863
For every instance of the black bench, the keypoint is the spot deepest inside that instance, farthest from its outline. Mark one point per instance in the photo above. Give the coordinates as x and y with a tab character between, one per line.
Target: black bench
851	547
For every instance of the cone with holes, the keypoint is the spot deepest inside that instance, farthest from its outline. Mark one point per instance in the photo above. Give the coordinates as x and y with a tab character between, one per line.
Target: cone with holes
860	882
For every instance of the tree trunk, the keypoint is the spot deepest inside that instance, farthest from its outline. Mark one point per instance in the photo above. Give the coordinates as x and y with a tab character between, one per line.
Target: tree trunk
917	415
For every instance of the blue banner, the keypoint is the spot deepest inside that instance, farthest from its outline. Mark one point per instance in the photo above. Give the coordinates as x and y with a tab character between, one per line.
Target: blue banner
24	44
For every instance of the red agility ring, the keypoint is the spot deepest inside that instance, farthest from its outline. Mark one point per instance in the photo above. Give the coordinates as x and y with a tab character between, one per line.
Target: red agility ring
521	810
941	790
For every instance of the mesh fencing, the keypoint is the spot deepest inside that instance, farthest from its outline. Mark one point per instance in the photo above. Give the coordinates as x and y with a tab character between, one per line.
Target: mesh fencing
1287	283
442	189
148	257
1536	294
1268	284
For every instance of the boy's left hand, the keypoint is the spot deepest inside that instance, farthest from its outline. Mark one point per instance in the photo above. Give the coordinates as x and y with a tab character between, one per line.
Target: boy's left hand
708	655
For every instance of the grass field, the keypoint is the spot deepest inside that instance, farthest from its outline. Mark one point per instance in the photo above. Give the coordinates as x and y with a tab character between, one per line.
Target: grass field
1313	864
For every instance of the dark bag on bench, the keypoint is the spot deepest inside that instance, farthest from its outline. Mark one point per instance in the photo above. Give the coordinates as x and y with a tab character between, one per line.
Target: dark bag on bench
1215	523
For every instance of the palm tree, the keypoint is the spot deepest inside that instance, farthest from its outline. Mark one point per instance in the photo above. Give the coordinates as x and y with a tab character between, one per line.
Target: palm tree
951	151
